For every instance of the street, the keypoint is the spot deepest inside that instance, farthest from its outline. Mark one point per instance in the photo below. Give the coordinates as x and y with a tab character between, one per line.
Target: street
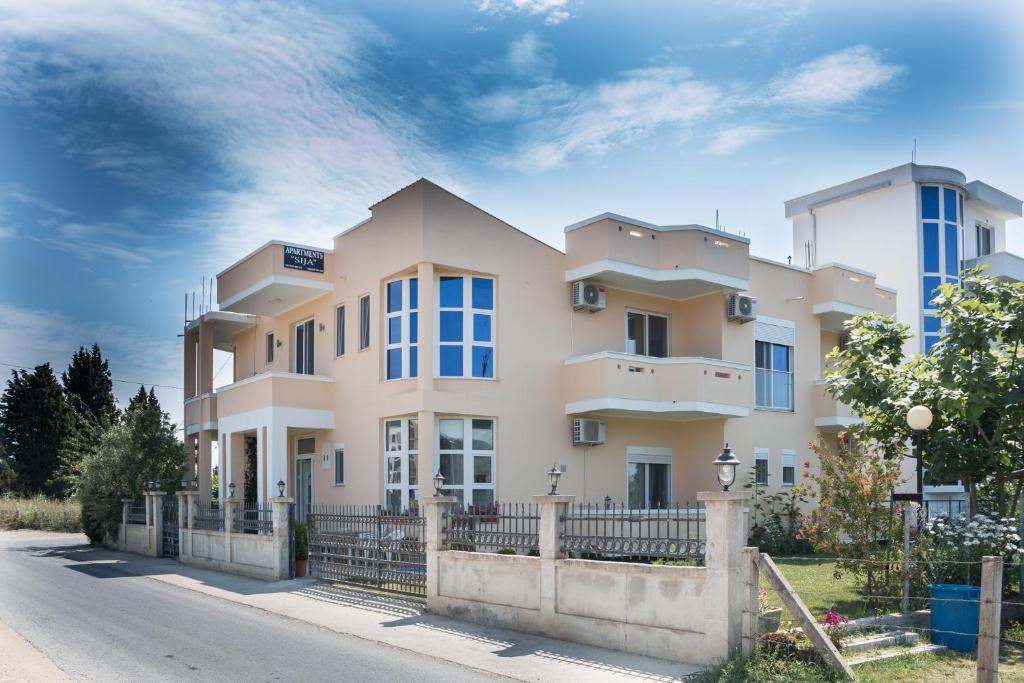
95	621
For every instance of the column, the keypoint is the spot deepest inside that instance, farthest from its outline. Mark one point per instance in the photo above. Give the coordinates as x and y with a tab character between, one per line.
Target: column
425	377
158	523
261	465
282	536
434	510
549	528
205	361
230	510
277	441
122	539
427	452
224	475
728	576
189	342
204	474
185	542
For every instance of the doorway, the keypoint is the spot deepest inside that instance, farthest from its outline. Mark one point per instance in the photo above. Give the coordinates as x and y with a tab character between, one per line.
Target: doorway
305	448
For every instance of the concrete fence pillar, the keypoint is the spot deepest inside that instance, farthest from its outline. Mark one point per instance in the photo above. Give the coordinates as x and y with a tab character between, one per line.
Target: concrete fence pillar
158	523
434	509
230	510
729	574
122	538
550	509
989	617
282	536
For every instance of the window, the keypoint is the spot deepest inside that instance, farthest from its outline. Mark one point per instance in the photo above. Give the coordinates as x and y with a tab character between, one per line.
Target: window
761	466
646	334
364	322
401	359
465	325
339	331
401	464
466	452
339	464
983	235
774	369
648	478
941	218
270	348
788	467
304	347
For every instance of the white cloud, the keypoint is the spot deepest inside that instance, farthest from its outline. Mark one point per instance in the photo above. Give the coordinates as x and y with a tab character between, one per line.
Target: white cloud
6	232
843	77
276	93
554	11
732	139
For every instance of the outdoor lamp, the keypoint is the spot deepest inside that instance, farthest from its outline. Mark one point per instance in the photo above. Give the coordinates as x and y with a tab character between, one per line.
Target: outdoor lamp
725	465
184	484
231	490
156	485
919	418
280	487
438	483
553	474
195	484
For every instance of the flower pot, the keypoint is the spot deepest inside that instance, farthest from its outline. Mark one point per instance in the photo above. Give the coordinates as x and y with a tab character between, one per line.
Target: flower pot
769	620
300	568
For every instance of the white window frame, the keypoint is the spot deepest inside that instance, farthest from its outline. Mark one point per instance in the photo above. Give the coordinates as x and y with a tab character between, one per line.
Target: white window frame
404	344
647	332
468	313
770	373
409	491
788	460
469	455
648	455
339	330
765	455
295	346
269	347
339	448
978	229
364	322
312	470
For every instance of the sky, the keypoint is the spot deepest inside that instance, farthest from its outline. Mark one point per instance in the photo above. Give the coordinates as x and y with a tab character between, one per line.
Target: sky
147	144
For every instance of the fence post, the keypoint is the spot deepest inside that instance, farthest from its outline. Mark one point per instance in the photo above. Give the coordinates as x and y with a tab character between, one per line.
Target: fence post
908	508
282	536
229	527
988	619
184	540
122	537
435	509
727	595
752	611
550	509
158	523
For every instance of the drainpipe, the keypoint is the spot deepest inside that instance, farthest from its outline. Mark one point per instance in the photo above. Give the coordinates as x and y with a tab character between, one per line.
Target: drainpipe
814	240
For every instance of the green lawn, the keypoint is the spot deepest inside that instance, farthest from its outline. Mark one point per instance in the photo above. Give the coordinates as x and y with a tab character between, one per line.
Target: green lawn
816	584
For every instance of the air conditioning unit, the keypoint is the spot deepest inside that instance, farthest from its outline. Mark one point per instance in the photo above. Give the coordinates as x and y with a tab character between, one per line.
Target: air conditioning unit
740	308
588	295
587	432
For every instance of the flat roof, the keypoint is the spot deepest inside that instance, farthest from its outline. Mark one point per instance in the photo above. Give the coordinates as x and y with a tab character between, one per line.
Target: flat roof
651	226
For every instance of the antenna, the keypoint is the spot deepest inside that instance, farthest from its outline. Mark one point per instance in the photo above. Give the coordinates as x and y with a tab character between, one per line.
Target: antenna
913	155
186	308
716	220
193	304
202	297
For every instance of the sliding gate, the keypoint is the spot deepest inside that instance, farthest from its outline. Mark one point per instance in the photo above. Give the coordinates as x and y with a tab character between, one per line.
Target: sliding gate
369	546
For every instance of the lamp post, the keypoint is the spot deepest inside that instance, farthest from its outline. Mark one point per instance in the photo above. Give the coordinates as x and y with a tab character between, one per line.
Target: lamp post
919	418
553	475
725	467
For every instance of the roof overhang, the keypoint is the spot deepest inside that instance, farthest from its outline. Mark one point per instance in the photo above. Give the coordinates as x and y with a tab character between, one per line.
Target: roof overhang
276	294
664	410
225	325
677	283
833	314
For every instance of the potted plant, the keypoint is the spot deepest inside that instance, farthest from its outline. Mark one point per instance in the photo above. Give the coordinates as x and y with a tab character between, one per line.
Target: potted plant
301	549
769	618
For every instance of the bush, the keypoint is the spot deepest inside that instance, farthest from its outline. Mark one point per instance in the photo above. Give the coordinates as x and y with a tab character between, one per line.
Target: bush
40	513
764	667
301	541
954	547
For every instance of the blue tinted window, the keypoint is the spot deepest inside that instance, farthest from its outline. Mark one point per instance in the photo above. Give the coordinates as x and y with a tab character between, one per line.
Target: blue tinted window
451	361
395	330
481	327
394	296
931	285
394	363
413	364
780	357
952	262
483	293
949	204
952	280
931	247
414	293
483	361
929	342
451	292
932	324
414	327
930	202
451	326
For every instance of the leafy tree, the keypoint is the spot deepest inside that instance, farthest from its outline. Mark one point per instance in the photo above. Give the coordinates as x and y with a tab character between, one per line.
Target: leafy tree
35	419
88	385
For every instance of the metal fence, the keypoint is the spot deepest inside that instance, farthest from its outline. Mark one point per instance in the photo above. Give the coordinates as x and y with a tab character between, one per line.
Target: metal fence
507	528
208	516
368	545
137	512
253	518
610	531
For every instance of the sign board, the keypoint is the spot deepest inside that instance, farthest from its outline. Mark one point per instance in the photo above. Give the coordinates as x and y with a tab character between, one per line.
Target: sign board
301	258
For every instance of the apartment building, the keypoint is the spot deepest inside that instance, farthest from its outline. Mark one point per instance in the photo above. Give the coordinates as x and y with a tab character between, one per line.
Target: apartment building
436	337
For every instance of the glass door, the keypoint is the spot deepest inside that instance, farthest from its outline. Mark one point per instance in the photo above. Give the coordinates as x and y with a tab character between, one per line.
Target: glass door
305	448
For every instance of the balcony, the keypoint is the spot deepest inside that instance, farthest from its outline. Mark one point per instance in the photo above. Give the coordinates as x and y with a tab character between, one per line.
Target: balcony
200	413
612	383
1001	264
829	414
840	292
308	399
275	278
676	261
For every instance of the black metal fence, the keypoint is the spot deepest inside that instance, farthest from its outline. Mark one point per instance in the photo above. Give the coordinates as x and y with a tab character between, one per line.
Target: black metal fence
253	518
368	545
137	512
615	531
170	541
208	516
507	528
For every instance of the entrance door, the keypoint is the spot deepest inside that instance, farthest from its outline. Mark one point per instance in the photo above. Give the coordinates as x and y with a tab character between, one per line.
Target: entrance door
305	448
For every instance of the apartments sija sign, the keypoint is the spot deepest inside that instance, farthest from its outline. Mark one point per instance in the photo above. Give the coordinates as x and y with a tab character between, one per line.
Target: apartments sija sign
300	258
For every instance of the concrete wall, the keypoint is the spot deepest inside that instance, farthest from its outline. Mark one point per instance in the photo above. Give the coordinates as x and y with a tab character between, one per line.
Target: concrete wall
245	554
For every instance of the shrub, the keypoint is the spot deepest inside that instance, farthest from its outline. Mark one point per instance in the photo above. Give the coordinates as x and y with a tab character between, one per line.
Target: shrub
836	628
301	542
40	513
955	545
506	551
765	667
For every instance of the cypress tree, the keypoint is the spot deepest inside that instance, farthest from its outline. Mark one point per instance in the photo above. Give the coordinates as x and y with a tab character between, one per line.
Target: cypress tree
88	385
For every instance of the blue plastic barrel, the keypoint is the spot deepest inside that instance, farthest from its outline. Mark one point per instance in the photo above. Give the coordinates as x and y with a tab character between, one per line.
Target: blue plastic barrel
955	615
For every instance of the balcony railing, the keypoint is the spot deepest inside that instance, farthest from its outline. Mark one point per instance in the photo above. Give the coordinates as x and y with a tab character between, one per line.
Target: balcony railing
277	389
201	412
839	292
1001	264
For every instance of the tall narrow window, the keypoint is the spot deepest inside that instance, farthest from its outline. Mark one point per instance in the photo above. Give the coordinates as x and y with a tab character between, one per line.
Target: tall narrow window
646	334
648	478
788	467
339	465
401	464
983	235
401	353
339	331
304	347
761	466
364	322
941	221
465	324
466	452
774	375
270	348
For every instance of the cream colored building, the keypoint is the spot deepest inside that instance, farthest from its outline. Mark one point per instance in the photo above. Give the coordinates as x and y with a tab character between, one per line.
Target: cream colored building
434	336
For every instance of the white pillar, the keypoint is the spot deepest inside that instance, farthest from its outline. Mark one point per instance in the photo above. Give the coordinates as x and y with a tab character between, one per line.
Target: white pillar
224	477
282	536
550	509
277	437
728	572
434	509
261	478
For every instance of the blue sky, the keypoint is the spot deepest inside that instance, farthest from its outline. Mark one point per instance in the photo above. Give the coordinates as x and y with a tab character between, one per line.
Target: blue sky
144	145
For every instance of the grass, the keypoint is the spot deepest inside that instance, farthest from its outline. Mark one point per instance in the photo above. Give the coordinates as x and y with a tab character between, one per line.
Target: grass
40	513
816	584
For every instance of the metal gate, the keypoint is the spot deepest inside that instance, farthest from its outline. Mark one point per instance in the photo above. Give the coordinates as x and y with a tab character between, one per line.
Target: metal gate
369	546
170	529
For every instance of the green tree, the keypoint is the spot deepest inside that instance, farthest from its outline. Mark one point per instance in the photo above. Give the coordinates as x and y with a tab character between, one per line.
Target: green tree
88	385
35	420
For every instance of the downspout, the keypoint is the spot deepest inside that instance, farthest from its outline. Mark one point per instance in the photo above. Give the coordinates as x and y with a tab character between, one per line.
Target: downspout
814	239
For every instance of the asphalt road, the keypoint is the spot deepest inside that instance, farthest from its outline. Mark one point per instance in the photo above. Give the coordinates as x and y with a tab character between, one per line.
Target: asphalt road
97	622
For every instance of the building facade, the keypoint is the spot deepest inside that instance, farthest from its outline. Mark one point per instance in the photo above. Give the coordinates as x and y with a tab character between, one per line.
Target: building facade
435	337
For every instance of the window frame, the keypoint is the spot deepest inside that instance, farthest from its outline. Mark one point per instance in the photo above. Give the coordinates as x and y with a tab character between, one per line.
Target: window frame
408	491
788	455
339	331
647	332
339	448
405	346
469	313
269	350
763	455
469	454
647	456
928	277
770	372
979	229
364	322
311	357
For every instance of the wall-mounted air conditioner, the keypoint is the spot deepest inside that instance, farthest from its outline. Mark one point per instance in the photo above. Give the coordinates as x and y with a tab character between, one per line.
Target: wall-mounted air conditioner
588	295
739	308
587	432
